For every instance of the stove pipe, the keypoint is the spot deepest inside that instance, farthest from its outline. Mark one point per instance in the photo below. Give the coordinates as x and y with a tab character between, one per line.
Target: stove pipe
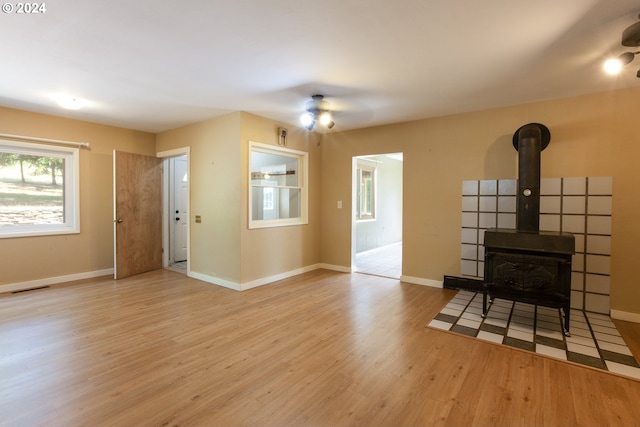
529	140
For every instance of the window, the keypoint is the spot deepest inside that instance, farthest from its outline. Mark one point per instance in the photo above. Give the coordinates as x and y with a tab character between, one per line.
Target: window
277	189
39	190
366	203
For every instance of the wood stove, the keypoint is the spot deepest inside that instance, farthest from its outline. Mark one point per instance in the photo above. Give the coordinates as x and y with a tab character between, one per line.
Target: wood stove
526	264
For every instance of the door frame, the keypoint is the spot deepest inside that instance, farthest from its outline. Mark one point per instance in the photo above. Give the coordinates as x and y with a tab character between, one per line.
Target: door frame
354	203
166	155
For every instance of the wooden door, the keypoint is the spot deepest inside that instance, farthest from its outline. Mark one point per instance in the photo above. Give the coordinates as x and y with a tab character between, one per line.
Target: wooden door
137	213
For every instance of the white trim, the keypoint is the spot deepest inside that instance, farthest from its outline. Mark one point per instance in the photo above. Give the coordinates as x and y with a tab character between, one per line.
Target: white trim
12	287
302	158
275	278
214	280
421	281
626	316
178	152
70	188
254	283
338	268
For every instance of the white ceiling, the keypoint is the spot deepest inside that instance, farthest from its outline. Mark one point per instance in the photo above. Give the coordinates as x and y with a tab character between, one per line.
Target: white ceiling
154	65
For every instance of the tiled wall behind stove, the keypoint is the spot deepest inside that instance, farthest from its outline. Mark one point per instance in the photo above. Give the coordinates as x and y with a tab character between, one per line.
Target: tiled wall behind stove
581	206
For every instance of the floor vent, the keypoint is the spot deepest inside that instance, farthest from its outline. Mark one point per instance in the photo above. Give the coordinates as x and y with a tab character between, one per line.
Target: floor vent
30	289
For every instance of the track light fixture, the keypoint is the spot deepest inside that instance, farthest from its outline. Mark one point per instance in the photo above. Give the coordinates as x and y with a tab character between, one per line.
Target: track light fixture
630	38
317	110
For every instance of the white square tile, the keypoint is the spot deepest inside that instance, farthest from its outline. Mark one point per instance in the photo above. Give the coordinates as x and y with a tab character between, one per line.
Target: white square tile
574	205
480	269
577	348
601	185
584	341
599	205
506	220
600	264
470	219
577	262
488	203
604	329
507	187
599	284
496	322
551	351
438	324
469	252
556	335
616	348
573	223
451	312
524	336
489	336
550	186
487	220
507	204
599	244
489	187
577	281
470	188
469	235
613	339
619	368
574	186
597	303
579	239
469	268
469	323
470	203
550	204
598	224
549	222
522	328
576	300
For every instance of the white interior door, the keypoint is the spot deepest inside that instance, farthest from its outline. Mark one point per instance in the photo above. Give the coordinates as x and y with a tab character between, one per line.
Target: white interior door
179	214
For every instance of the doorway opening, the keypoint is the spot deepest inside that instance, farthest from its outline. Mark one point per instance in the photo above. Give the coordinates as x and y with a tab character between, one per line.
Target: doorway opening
175	234
376	231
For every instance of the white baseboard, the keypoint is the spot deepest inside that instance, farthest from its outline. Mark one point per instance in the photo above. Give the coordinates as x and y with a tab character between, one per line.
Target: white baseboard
214	280
339	268
626	316
421	281
254	283
22	286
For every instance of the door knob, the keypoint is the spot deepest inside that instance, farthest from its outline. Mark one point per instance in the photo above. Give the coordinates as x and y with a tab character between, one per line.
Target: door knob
119	220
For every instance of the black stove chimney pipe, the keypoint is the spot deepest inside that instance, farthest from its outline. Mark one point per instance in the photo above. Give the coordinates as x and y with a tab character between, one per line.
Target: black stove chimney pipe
529	141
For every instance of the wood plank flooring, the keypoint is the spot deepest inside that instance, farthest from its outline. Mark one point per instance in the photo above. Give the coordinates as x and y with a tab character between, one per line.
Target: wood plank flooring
319	349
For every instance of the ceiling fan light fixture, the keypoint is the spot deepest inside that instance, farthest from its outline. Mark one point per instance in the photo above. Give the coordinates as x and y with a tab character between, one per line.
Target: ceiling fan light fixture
317	111
325	118
307	119
615	65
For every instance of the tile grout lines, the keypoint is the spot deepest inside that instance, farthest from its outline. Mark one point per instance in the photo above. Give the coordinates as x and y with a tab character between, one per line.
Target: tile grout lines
594	339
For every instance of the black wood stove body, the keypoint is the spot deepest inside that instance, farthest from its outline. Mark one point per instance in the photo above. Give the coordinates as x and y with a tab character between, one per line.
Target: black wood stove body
526	264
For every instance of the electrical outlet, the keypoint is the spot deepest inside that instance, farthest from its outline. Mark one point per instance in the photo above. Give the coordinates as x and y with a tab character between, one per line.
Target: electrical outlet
339	204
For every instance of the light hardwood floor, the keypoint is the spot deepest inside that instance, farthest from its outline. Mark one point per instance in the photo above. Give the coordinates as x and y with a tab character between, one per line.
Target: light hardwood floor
319	349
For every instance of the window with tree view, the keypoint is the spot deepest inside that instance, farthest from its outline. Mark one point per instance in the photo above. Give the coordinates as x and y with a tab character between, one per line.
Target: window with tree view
38	189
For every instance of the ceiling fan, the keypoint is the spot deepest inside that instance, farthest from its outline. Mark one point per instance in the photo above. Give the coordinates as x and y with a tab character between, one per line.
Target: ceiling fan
317	111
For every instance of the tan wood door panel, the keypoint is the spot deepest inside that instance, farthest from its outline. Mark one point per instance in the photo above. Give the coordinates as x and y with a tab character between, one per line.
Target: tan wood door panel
138	213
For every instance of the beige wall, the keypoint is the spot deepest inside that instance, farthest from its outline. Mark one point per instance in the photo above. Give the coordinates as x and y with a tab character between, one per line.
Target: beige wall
33	258
593	135
215	193
268	252
222	246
